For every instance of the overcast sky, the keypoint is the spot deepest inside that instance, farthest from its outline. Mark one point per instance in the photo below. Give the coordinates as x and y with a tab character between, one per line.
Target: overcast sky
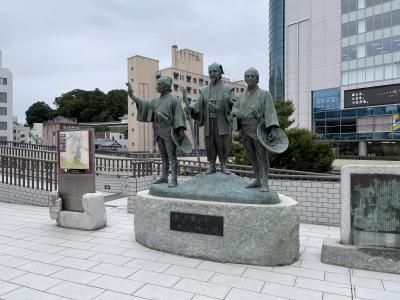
54	46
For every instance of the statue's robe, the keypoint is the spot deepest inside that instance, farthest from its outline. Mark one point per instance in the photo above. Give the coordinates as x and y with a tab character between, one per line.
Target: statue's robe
222	97
165	112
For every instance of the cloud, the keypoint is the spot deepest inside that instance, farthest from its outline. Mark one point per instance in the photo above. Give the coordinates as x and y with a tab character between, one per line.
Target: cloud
53	46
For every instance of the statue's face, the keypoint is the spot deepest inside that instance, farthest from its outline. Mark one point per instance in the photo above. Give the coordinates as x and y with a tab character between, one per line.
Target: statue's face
161	87
251	78
214	72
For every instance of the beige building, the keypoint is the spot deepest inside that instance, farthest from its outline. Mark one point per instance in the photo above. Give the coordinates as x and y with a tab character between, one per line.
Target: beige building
186	72
51	127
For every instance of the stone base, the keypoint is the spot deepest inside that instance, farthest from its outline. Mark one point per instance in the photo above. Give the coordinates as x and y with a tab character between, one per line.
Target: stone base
93	216
377	259
252	234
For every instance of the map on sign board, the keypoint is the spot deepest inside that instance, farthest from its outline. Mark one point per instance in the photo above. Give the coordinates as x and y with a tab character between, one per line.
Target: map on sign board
74	149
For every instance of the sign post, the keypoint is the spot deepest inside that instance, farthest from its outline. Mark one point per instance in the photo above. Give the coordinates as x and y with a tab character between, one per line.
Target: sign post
75	166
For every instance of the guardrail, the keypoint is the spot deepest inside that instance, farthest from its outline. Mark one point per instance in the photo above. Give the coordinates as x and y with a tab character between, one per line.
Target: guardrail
28	172
355	157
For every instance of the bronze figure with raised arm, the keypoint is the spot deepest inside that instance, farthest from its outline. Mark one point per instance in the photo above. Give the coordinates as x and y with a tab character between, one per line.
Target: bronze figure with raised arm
168	120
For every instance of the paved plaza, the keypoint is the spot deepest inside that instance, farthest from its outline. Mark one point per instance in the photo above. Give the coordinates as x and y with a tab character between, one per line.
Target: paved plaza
39	260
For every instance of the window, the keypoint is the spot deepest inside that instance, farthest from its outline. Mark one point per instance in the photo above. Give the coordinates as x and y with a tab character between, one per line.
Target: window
360	51
194	80
353	28
194	91
352	52
176	87
378	22
188	78
352	5
345	6
3	111
3	81
387	45
3	125
188	89
206	82
361	4
3	97
361	26
370	48
345	30
388	72
379	73
201	81
378	48
3	138
176	75
387	20
241	90
369	23
396	44
369	74
396	17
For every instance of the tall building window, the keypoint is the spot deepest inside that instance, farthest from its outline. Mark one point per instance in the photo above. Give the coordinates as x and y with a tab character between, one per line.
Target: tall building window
3	125
3	97
3	81
3	111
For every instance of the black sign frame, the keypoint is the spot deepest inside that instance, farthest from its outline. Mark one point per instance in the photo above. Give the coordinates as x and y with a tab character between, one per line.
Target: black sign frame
195	223
372	96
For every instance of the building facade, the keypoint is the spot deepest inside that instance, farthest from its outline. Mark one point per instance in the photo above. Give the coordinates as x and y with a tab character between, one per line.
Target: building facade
6	103
186	72
342	69
51	127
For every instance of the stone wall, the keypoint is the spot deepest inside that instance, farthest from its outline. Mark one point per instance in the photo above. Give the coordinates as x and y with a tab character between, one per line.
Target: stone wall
23	195
319	201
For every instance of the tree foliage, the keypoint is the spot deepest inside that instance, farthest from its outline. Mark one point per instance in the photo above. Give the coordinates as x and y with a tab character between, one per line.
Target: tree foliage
305	151
38	112
92	106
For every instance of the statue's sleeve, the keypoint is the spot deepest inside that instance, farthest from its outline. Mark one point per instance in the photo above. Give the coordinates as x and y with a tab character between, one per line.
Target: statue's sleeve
270	116
145	110
178	115
196	111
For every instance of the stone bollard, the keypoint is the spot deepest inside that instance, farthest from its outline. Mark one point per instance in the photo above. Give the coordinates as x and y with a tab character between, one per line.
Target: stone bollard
55	205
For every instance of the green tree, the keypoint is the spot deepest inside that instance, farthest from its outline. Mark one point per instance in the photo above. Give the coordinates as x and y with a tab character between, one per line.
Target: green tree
92	106
284	110
305	153
38	112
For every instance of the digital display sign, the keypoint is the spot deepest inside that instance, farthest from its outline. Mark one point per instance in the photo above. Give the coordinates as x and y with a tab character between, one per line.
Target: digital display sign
380	95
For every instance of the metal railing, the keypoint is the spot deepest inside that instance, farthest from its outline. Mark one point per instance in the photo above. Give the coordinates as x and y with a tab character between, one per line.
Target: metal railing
356	157
28	172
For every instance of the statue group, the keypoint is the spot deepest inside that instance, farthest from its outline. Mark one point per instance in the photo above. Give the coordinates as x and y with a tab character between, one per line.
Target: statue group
219	112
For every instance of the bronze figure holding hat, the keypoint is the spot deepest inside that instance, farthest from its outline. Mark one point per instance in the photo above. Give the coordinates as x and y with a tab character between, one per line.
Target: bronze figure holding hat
256	117
168	119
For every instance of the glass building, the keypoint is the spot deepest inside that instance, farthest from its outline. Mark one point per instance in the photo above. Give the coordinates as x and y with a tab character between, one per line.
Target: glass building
341	68
276	48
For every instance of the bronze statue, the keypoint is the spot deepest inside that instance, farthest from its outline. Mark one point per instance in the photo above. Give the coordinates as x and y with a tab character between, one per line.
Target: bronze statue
257	119
212	110
168	119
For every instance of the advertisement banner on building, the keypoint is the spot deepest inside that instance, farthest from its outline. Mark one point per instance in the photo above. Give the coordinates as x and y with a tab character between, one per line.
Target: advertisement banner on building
378	95
396	123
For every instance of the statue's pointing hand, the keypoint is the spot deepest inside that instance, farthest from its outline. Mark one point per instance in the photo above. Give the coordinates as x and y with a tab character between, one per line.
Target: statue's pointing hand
130	91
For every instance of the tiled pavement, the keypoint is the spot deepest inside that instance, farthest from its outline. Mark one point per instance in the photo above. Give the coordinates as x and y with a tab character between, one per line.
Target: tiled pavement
39	260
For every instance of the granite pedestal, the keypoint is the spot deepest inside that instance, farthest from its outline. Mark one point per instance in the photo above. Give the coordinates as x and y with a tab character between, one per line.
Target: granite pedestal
258	234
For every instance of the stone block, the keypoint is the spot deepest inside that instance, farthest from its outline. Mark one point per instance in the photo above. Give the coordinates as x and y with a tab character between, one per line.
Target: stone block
93	216
379	259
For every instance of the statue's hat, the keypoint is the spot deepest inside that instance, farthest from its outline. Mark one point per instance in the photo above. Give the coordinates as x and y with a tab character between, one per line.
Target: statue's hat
185	145
273	138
